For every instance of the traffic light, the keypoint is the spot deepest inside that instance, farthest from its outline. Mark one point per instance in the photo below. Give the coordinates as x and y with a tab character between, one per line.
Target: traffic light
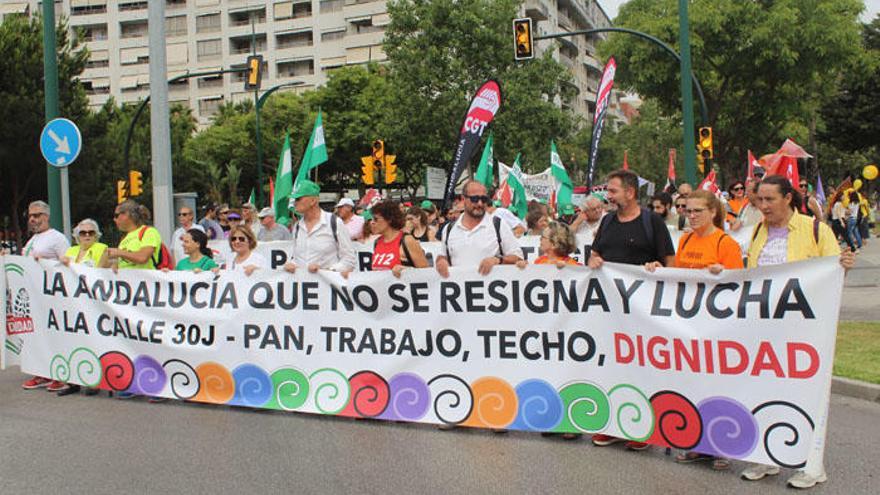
378	153
369	170
254	74
522	39
390	169
701	164
704	146
120	191
136	182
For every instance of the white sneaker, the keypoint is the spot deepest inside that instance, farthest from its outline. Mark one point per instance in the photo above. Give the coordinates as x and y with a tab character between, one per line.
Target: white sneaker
802	479
756	472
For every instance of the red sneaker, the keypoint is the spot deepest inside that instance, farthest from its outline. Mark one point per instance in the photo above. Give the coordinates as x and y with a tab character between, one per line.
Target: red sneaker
57	386
36	382
637	445
600	440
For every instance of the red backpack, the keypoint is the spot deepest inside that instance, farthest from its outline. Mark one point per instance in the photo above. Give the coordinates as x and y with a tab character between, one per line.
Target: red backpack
164	259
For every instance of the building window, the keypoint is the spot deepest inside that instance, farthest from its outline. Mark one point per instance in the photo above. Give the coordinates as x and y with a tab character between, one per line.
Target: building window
292	40
136	29
209	49
210	82
243	44
97	64
175	4
332	36
210	106
94	32
331	5
365	26
84	9
245	18
208	23
298	68
132	6
175	26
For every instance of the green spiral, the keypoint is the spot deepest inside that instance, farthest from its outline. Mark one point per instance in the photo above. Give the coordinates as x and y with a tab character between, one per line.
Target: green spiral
291	389
59	368
638	406
88	366
586	408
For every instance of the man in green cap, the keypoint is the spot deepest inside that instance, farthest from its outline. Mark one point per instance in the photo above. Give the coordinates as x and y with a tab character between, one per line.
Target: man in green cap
320	239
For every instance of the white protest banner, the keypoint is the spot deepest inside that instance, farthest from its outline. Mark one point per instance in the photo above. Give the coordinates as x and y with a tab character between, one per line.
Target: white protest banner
736	365
17	307
537	186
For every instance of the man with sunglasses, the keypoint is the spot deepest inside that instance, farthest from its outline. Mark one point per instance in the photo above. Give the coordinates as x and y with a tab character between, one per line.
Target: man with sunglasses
46	243
477	239
186	218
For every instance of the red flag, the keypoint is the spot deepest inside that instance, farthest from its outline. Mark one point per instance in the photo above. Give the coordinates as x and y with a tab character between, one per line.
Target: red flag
752	164
371	197
670	173
625	164
789	169
709	184
271	191
504	194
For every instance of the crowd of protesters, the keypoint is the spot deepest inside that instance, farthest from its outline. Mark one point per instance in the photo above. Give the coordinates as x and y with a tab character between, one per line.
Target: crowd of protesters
786	222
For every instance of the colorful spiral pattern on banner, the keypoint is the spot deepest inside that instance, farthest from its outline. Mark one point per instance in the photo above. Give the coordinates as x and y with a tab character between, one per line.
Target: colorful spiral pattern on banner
718	426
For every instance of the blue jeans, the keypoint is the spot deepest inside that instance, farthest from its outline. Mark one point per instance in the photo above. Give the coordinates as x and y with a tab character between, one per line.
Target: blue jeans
852	232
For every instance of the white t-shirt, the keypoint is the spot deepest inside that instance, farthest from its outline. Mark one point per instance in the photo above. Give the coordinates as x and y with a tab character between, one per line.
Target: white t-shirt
177	241
254	259
355	226
470	247
49	244
318	246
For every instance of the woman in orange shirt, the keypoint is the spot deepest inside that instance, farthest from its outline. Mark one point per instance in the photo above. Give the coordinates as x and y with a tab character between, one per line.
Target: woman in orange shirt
707	246
557	244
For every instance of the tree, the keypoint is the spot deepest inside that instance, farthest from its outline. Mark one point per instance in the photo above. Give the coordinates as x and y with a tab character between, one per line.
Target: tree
440	52
765	66
22	114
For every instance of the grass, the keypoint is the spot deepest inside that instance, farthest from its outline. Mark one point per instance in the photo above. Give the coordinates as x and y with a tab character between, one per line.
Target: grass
858	351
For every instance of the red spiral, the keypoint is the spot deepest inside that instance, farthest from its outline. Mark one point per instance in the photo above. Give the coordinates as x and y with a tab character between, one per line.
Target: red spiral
117	371
369	395
677	422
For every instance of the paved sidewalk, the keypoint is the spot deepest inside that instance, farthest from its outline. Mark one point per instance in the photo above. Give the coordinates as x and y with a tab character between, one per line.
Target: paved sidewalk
861	291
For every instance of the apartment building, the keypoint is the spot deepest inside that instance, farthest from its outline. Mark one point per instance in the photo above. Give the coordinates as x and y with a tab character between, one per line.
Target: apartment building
300	40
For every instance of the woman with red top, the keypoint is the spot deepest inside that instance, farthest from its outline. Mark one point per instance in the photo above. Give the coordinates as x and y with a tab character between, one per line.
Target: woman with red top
394	250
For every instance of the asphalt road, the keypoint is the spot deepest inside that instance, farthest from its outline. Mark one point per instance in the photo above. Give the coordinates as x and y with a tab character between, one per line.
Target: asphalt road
97	445
861	290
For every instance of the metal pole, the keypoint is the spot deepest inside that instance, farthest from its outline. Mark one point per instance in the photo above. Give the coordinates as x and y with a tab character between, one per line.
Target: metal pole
50	88
687	97
65	201
160	126
257	118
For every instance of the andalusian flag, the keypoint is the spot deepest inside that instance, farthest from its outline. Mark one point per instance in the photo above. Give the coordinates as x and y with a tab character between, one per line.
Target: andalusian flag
484	173
252	199
316	151
283	185
564	187
520	205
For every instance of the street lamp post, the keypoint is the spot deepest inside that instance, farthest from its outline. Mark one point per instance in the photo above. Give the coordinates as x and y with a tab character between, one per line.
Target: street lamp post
257	106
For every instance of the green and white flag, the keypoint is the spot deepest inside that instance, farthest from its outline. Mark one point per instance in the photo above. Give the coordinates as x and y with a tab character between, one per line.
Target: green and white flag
484	173
316	151
519	205
564	187
252	199
283	184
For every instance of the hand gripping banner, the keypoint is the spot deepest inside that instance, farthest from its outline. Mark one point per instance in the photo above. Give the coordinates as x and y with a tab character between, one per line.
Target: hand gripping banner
482	110
602	98
737	365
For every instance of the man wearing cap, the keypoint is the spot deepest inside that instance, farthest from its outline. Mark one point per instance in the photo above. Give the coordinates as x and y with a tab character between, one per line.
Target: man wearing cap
186	219
320	239
269	230
209	222
248	214
354	223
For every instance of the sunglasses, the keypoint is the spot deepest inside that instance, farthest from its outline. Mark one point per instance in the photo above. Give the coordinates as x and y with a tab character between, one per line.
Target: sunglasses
238	239
680	206
738	188
117	214
182	214
479	198
87	232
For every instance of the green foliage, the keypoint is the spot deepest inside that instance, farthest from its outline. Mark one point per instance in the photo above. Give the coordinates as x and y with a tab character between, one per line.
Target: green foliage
763	65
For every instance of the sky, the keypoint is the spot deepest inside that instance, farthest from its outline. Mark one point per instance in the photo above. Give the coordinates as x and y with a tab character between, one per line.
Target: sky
872	8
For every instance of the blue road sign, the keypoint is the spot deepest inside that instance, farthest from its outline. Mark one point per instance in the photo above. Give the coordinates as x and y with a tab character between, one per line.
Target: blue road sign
60	142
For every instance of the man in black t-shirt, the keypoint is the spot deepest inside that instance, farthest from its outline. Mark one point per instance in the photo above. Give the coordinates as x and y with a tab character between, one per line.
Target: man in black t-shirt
631	235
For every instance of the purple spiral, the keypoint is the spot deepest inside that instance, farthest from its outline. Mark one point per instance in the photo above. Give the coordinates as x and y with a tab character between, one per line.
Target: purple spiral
149	377
729	429
410	398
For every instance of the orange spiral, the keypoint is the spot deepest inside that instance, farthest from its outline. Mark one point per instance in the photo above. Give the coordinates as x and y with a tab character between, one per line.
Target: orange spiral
217	387
495	403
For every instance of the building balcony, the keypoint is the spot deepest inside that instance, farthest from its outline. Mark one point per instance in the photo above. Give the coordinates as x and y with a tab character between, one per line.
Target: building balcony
537	10
364	9
355	40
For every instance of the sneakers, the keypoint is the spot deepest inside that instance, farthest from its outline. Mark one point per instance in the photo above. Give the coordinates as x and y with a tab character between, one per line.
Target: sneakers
35	383
802	479
637	446
756	472
600	440
124	395
57	386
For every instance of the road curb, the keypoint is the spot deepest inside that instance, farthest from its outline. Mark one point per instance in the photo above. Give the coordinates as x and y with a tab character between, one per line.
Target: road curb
855	388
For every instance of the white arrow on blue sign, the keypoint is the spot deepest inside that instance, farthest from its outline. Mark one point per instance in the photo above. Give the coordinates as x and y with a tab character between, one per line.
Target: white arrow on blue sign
60	142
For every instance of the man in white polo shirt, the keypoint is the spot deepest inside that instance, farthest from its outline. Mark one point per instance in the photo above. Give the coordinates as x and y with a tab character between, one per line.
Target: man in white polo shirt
477	239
